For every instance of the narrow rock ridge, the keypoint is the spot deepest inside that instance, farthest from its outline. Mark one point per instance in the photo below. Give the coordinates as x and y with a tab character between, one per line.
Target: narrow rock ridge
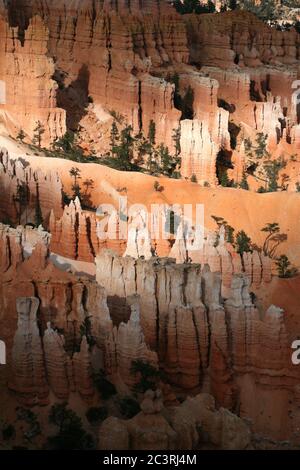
65	237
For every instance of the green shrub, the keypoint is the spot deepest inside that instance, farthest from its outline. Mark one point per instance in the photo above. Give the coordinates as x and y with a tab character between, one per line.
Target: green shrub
71	434
8	432
158	187
148	375
285	268
129	407
96	414
104	386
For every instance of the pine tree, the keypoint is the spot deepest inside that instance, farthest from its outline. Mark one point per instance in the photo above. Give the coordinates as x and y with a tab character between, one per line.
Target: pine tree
285	268
271	170
114	136
233	4
152	132
176	139
21	135
244	183
38	133
261	146
229	234
243	243
224	180
75	174
165	160
151	144
124	151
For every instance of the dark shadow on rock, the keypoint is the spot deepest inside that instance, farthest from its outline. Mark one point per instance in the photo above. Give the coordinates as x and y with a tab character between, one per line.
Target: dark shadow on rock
74	99
19	13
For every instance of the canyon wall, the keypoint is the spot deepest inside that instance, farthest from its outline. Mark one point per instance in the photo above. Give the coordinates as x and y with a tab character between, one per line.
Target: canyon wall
116	59
153	310
202	341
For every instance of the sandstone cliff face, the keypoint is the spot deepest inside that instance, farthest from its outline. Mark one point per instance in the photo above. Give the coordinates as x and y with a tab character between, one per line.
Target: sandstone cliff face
124	41
154	310
64	303
30	90
197	321
118	57
202	341
255	67
78	235
240	33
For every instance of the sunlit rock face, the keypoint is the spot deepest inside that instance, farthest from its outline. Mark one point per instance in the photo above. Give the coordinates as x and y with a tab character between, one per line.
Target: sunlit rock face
78	70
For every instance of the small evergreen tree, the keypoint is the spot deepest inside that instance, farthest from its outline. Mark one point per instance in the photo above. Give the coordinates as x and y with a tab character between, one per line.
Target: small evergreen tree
244	182
243	243
224	180
285	268
95	414
38	134
272	169
124	151
21	136
233	4
114	136
261	146
129	407
152	133
193	6
75	174
103	385
158	187
273	239
271	229
71	434
148	375
229	231
176	139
